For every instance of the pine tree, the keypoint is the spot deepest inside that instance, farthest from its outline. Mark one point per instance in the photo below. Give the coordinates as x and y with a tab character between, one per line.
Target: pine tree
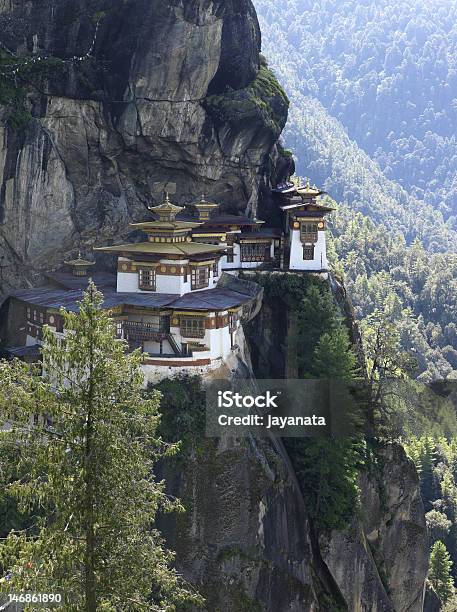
334	356
440	572
327	468
86	464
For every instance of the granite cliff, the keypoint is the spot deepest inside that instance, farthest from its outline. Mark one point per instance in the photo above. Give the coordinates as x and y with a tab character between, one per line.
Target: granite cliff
118	101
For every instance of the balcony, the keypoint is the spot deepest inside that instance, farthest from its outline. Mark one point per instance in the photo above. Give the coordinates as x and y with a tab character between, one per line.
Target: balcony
138	331
309	237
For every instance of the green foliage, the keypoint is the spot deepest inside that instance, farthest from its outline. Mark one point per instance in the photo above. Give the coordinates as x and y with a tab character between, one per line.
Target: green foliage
386	72
440	572
264	97
327	469
339	80
18	76
419	288
438	525
335	356
183	411
83	444
436	463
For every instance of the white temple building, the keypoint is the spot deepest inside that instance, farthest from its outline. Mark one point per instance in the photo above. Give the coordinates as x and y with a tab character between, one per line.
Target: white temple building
177	294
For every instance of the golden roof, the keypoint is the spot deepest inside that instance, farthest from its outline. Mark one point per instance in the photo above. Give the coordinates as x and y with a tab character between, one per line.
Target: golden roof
166	225
204	204
84	263
152	248
309	191
166	211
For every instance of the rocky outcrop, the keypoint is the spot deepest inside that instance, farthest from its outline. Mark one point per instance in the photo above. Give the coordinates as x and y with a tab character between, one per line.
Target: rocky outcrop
244	540
380	563
152	94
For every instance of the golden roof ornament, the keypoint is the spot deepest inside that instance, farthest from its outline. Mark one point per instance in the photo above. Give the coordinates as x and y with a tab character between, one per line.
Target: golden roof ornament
166	211
79	265
205	209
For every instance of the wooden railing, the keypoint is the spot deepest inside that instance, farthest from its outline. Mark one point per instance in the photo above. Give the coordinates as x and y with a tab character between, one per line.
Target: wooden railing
136	330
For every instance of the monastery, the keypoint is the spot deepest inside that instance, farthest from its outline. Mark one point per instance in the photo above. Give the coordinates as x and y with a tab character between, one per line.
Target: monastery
178	294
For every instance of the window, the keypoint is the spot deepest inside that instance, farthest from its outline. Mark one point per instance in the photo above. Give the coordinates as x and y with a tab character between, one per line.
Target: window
119	329
186	273
233	321
255	252
147	279
200	277
308	252
192	327
29	314
308	232
41	317
216	269
230	256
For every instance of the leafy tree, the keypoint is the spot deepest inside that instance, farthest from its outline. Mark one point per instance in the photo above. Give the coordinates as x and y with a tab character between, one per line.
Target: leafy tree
84	445
384	358
438	525
440	572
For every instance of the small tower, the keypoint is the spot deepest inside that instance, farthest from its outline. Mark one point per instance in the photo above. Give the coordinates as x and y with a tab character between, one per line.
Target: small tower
79	266
305	230
166	211
205	209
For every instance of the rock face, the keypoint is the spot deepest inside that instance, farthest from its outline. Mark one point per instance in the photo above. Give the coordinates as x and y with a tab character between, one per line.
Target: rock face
381	562
244	540
153	94
247	543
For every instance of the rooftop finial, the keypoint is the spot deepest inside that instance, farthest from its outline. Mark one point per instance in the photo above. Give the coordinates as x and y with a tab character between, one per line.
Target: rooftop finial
167	198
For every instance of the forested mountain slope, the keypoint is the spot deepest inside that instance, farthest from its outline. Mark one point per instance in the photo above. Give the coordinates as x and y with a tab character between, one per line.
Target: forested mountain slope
398	252
388	71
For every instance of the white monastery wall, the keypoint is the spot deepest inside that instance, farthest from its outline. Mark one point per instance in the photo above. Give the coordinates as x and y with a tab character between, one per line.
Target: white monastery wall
296	253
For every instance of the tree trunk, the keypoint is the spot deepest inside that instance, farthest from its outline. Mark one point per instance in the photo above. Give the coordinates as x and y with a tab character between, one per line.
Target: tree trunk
89	558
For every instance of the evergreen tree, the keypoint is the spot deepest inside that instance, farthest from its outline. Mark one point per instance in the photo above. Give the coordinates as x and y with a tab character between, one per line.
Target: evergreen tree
440	572
335	356
317	314
327	468
84	443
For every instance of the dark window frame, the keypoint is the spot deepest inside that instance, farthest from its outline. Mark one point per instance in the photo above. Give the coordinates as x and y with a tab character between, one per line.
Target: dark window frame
255	252
192	327
150	276
199	277
309	231
310	255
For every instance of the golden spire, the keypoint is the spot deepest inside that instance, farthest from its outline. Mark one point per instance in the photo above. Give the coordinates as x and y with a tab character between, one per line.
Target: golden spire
166	211
79	266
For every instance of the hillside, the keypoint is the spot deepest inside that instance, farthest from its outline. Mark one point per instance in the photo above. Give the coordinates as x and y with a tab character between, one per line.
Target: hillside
393	247
387	70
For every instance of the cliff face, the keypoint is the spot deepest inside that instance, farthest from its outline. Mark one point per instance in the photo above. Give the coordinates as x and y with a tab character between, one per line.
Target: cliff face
379	562
152	94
